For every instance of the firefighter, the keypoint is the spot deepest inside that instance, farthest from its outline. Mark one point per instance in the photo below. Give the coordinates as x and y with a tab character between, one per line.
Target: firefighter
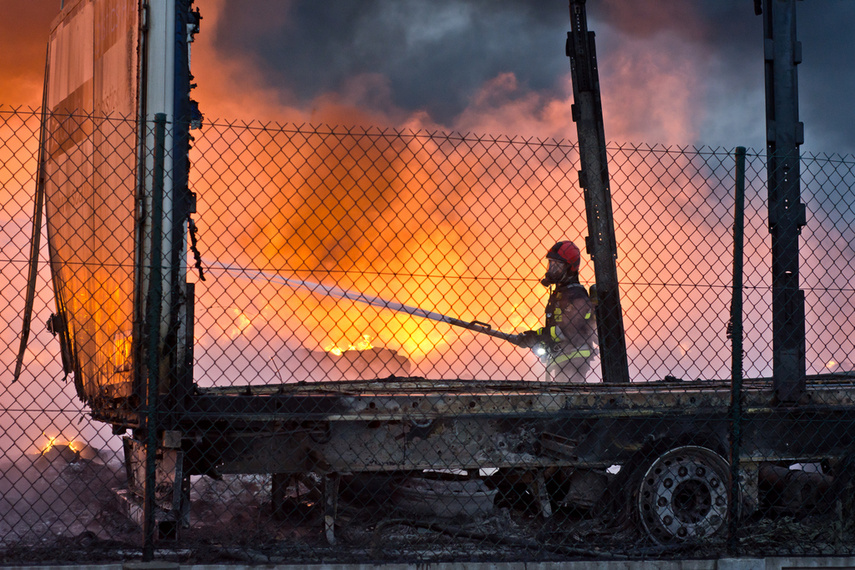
565	344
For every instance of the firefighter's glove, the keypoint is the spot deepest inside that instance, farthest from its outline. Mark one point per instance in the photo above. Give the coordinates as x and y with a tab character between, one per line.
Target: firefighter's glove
529	339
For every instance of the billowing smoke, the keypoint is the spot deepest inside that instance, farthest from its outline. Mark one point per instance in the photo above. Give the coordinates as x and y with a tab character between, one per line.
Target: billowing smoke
685	74
673	74
65	489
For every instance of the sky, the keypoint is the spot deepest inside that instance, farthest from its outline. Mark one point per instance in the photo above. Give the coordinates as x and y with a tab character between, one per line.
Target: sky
672	72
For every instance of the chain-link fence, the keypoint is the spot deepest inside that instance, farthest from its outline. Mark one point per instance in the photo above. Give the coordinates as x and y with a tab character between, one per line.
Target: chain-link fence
357	389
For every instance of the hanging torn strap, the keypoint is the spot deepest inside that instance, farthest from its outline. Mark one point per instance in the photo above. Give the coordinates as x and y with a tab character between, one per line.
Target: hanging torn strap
35	242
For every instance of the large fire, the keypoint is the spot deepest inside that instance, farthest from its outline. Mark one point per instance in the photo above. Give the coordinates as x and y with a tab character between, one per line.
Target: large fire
370	214
376	215
379	214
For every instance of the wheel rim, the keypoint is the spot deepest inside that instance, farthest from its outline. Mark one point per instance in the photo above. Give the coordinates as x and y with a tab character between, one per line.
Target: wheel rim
685	495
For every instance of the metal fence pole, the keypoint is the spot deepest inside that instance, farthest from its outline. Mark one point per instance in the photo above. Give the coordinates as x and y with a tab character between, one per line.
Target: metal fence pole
153	311
735	334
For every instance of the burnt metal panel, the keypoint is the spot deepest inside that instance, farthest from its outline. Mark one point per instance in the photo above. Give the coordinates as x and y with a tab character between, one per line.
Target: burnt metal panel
205	408
784	134
404	426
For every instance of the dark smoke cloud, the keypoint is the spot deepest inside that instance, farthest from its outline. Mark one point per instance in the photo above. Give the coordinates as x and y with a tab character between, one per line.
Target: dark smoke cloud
409	56
827	75
730	32
435	56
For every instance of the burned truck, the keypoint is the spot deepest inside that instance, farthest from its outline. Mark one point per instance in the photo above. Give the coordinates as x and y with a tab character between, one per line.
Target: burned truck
213	300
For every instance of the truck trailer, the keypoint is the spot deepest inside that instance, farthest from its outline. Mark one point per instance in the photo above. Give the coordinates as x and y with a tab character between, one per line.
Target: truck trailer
677	460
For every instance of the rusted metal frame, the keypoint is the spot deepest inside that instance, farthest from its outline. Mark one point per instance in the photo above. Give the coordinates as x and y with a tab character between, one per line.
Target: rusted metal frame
142	223
189	421
601	244
310	403
178	340
472	442
203	406
154	300
784	134
769	433
638	411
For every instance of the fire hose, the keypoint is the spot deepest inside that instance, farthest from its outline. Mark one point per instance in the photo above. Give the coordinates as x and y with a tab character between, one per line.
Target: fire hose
339	293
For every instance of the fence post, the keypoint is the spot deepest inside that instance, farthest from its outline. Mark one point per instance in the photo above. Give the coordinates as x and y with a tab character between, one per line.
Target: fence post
153	313
735	334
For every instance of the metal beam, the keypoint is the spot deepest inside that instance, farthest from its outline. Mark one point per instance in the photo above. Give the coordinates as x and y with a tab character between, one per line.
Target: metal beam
784	134
594	180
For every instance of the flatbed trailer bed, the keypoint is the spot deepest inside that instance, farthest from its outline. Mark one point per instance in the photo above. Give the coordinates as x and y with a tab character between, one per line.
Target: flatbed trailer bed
529	431
401	421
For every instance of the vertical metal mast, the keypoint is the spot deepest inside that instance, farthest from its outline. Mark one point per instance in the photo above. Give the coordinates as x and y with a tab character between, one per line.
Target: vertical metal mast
784	134
594	179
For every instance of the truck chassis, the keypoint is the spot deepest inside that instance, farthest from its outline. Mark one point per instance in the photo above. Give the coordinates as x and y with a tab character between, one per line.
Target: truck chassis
671	440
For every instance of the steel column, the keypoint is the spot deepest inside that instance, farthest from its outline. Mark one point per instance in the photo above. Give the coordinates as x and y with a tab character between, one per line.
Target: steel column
594	179
152	327
784	134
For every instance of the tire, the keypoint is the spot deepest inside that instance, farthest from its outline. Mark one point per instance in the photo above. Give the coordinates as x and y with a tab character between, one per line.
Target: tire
684	495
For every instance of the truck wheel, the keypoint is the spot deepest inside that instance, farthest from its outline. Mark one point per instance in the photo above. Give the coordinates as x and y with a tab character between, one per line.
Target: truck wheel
684	495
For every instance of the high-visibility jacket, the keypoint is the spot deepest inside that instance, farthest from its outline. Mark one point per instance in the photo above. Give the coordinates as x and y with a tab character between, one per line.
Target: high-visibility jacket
570	326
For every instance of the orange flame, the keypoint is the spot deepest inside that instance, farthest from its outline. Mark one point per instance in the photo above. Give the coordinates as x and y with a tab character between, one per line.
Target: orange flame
362	344
54	441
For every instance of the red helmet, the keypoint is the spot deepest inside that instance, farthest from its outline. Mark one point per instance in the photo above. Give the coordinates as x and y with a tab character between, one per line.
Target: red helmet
567	252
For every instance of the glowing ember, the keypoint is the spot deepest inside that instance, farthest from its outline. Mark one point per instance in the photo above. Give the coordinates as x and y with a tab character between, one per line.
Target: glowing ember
54	442
363	344
50	443
363	361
